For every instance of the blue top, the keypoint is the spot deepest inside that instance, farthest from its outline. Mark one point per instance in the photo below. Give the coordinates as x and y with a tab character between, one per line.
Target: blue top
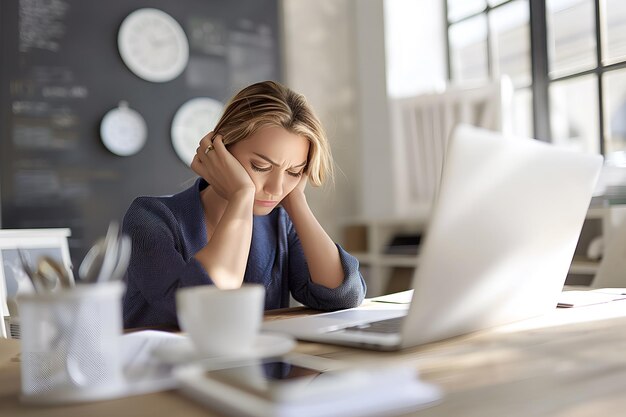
167	231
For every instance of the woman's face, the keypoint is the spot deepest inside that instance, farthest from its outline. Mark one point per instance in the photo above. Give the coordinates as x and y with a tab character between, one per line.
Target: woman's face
275	159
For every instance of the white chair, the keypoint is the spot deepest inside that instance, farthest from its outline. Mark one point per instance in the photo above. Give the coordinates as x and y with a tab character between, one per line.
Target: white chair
421	127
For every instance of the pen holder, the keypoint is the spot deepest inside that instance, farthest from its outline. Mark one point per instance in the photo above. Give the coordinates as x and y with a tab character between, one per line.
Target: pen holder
71	344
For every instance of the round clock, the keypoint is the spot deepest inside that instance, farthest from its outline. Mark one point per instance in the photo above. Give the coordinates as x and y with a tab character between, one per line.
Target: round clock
123	130
192	121
153	45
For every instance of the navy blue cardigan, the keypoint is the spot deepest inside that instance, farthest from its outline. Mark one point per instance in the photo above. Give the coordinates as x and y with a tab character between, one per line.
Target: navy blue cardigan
167	231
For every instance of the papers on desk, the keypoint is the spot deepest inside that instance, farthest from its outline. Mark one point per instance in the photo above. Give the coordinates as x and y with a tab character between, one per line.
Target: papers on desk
142	371
353	392
577	298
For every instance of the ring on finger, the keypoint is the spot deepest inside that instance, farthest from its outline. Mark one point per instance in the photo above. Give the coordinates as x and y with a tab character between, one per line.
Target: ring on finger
208	149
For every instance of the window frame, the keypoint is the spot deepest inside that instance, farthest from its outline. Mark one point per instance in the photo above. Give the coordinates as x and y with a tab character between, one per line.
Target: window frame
540	77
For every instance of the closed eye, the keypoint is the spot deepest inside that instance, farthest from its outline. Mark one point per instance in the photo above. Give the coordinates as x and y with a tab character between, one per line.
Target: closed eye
260	169
269	168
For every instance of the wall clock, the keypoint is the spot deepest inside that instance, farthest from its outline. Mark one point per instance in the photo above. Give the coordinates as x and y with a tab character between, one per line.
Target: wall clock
123	130
153	45
194	119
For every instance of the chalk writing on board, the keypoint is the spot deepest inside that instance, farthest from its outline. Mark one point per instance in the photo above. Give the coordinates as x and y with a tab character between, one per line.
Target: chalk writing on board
41	24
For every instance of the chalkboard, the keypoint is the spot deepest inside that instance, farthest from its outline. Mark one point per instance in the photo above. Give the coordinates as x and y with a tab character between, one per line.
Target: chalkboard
61	73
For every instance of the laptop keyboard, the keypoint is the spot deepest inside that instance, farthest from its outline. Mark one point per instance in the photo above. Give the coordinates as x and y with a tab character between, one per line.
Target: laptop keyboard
382	326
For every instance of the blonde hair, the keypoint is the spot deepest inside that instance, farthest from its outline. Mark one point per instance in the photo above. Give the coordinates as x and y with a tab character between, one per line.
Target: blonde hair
269	103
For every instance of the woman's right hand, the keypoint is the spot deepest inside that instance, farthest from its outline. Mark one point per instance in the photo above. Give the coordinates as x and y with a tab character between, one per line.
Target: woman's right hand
220	168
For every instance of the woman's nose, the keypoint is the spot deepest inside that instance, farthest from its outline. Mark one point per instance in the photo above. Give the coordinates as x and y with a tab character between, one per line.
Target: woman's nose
274	185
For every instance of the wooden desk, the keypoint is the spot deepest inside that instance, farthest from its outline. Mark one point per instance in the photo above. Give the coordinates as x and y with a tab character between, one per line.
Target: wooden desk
571	363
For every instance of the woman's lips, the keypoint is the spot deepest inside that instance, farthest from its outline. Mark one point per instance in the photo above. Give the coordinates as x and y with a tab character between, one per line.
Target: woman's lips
266	203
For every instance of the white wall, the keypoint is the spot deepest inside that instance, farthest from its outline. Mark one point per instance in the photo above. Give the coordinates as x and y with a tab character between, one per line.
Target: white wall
320	62
377	197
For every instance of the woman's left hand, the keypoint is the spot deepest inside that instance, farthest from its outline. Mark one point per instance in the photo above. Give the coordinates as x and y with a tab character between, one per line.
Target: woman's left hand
296	194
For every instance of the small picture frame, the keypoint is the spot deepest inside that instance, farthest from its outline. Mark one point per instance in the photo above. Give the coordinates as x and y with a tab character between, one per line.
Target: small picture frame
34	243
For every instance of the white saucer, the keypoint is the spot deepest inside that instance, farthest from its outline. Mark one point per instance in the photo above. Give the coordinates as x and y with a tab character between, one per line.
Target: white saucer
182	351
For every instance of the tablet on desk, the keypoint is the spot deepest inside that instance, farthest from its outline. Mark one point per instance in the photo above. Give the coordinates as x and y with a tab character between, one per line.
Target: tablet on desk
287	378
304	386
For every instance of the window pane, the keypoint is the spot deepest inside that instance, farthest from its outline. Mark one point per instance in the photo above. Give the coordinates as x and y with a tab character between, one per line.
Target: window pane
574	113
615	31
458	9
523	113
571	36
511	42
615	116
468	50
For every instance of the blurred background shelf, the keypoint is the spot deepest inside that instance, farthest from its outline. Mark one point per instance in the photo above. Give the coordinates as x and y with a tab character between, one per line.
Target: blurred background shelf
584	265
601	223
369	241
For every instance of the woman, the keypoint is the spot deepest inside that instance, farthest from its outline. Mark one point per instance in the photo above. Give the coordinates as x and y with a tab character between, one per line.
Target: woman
228	228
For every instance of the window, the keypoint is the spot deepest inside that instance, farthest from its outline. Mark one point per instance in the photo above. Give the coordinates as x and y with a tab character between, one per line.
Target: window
567	61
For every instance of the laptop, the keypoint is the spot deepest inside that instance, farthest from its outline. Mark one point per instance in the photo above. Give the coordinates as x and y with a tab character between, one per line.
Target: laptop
498	246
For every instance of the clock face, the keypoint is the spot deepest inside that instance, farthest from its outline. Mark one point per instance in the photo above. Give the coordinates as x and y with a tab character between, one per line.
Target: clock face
153	45
123	131
192	121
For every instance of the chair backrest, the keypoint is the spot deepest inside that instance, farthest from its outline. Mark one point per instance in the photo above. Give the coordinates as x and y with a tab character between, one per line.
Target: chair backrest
422	126
13	280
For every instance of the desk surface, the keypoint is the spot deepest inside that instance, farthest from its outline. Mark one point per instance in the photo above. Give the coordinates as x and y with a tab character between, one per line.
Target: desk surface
571	362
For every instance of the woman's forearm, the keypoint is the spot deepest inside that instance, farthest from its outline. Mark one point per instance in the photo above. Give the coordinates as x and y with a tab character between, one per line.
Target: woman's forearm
320	251
226	254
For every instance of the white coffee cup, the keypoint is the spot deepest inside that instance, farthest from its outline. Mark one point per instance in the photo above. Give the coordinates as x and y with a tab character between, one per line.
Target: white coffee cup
221	322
